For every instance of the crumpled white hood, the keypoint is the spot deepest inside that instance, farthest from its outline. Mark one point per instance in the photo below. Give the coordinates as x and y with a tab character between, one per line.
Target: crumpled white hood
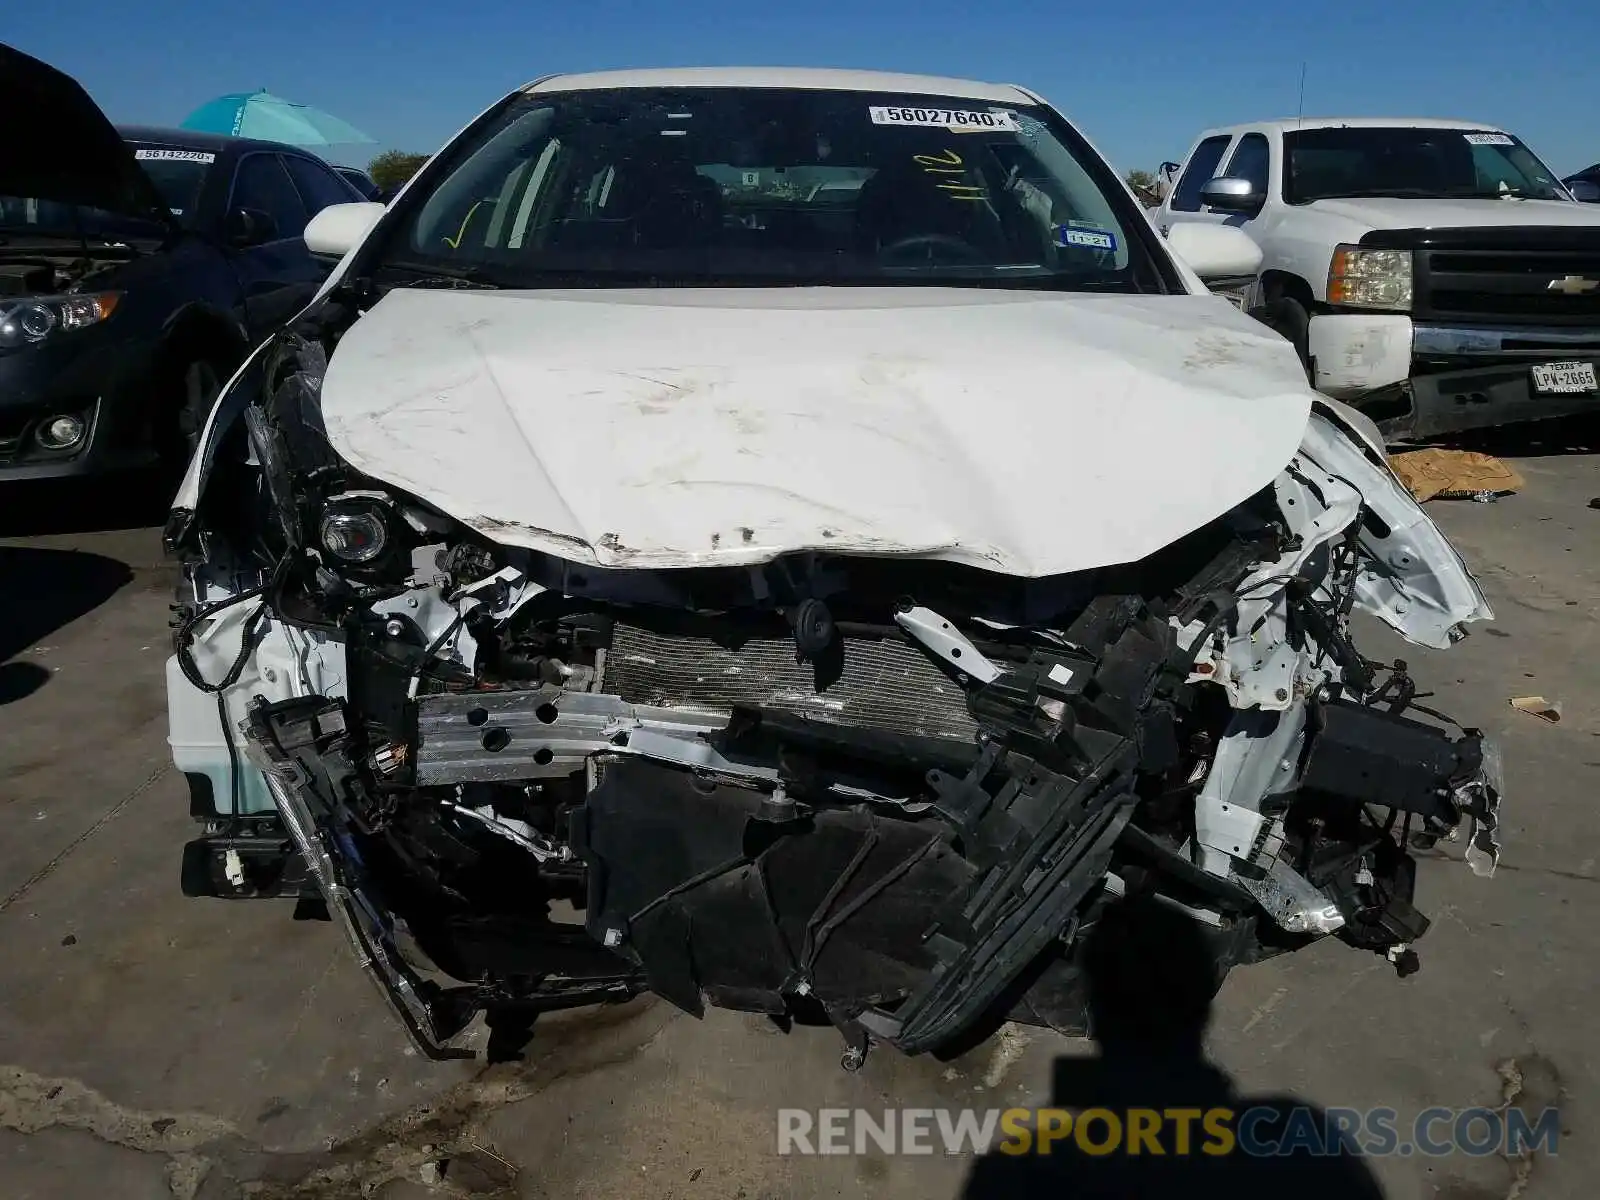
1029	433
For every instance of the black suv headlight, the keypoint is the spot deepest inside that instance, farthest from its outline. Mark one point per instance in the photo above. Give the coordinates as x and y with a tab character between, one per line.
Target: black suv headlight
29	321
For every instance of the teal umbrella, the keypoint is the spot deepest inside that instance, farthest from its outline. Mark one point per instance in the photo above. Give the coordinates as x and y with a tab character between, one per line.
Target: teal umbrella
263	115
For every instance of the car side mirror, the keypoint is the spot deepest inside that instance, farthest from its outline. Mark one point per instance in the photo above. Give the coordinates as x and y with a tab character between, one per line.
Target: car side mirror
340	228
250	227
1215	251
1586	190
1232	195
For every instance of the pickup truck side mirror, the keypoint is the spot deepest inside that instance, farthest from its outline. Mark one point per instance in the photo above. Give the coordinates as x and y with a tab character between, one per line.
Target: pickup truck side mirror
1232	195
1586	190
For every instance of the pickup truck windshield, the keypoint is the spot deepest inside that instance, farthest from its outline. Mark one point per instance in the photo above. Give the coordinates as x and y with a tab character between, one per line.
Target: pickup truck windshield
1322	164
770	186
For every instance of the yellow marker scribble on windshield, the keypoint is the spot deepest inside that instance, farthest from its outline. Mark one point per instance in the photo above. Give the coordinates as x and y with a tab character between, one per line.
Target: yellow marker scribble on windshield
455	242
950	163
963	191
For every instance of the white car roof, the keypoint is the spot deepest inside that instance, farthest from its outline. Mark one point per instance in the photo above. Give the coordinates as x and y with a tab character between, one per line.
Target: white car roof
1290	124
815	78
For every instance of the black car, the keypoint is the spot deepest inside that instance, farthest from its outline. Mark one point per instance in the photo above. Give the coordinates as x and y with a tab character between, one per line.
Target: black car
137	269
1585	184
362	182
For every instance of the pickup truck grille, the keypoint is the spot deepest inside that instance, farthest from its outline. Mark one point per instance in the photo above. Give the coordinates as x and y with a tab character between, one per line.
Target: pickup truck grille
1512	284
1503	276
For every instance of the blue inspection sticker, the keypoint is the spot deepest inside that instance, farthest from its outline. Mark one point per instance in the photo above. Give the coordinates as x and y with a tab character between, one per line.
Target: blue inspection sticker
1087	237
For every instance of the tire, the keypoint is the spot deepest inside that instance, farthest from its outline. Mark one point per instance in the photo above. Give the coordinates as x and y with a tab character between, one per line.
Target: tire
1289	317
201	381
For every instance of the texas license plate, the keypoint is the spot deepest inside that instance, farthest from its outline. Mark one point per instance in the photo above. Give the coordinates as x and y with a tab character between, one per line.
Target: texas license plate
1560	378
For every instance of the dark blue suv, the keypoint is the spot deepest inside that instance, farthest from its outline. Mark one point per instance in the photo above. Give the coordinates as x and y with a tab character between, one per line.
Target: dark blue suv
137	268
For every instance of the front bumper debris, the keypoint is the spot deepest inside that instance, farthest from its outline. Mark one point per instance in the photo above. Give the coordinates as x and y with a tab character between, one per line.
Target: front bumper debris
302	746
289	742
891	795
246	867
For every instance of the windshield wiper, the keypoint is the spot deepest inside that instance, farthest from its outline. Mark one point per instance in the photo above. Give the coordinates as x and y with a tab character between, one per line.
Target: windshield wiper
1436	194
433	275
1486	194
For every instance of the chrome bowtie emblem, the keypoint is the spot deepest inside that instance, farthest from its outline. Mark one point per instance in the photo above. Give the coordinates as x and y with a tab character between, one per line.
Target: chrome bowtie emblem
1572	285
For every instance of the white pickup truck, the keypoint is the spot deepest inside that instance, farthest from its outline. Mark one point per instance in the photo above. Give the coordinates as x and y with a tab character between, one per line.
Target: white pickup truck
1435	274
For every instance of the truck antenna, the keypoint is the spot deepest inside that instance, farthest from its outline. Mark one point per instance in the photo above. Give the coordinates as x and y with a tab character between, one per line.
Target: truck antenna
1302	113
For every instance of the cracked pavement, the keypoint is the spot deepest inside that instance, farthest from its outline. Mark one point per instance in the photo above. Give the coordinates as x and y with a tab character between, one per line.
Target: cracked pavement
153	1046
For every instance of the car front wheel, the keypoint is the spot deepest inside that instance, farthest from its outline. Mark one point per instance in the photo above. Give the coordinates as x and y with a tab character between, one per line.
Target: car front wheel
202	381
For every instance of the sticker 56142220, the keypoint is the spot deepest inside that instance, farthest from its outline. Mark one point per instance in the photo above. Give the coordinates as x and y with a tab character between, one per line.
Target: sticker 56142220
944	118
162	154
1489	139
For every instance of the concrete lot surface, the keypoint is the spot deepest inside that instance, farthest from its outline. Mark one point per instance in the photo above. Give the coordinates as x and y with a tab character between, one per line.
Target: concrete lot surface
152	1046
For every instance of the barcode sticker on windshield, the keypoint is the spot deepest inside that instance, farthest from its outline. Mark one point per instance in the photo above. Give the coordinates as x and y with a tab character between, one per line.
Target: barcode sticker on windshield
1489	139
945	118
198	156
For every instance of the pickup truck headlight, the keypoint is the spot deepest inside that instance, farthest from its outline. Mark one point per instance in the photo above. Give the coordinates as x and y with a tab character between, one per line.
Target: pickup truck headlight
1363	278
29	321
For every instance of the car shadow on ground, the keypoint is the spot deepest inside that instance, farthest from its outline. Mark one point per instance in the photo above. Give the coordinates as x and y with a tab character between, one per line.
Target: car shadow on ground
42	591
1529	439
1151	975
40	508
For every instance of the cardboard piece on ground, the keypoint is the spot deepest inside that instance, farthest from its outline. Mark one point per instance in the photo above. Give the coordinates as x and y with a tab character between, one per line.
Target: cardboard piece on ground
1454	474
1538	706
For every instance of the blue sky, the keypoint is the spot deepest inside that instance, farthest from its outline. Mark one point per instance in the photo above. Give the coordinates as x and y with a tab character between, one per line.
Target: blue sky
1141	78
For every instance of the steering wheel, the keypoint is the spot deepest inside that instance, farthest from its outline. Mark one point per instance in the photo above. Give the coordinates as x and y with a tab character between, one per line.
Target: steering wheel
963	250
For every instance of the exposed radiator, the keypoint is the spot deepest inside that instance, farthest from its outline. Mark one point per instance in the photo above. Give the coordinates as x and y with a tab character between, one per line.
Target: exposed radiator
886	684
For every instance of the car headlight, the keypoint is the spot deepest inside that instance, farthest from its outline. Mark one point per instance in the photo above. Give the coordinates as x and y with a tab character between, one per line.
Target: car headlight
355	532
31	320
1364	278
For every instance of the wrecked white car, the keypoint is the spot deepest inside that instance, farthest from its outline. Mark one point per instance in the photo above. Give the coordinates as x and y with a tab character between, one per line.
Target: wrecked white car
832	595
